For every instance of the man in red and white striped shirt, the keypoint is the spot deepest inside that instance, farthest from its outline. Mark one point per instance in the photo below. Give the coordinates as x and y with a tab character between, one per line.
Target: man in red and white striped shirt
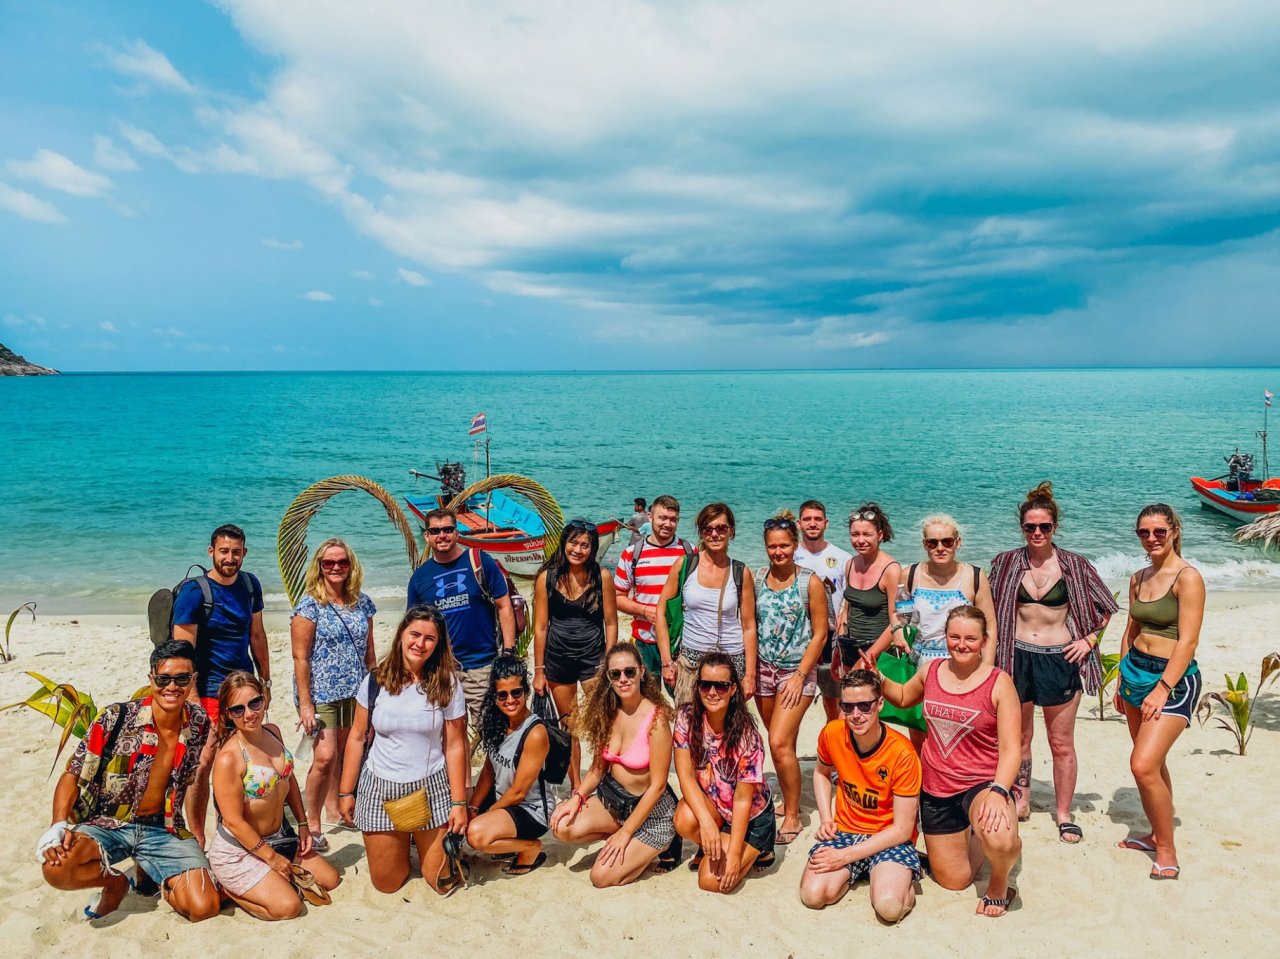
642	572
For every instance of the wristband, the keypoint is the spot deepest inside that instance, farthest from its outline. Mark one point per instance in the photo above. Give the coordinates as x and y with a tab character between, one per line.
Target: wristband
997	788
346	795
1165	684
262	841
455	803
539	669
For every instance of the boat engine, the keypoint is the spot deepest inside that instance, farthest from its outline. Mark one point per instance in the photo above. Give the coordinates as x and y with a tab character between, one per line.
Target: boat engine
1239	470
453	478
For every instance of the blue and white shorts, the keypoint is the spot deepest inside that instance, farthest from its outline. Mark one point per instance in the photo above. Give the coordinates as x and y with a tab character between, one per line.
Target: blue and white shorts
904	854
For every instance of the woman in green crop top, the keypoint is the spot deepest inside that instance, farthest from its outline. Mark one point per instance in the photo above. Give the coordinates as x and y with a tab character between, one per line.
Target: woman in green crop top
1159	680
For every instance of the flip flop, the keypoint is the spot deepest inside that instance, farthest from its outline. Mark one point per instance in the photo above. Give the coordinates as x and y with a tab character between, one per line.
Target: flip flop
1158	872
305	882
1066	829
1010	895
788	837
763	862
524	868
696	862
319	842
1138	843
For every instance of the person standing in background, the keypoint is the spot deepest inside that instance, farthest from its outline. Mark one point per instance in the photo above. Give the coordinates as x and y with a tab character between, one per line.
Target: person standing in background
642	571
828	563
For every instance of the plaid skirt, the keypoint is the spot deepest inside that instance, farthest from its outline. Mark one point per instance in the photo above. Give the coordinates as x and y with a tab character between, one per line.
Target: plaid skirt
372	792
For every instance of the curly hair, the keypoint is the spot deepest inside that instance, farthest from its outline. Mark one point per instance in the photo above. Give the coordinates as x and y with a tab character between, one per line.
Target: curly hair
313	581
599	709
493	721
740	732
438	672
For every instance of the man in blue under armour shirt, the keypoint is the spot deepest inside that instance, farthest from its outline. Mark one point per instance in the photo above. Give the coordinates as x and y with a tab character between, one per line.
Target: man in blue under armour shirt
447	581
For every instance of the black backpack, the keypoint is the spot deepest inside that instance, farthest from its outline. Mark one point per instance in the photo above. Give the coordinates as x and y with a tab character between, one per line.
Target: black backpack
556	766
160	606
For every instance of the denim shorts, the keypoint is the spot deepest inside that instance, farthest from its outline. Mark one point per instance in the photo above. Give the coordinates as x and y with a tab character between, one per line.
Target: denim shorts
160	853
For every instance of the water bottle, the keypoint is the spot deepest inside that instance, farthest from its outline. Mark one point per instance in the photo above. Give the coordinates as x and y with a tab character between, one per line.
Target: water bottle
904	605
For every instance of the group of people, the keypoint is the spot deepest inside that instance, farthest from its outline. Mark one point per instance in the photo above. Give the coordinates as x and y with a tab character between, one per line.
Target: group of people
956	657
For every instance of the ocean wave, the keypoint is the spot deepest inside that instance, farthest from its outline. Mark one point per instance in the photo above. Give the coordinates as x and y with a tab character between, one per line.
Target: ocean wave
1116	568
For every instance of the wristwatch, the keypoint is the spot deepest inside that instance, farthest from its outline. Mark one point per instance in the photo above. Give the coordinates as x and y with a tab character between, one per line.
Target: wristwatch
997	788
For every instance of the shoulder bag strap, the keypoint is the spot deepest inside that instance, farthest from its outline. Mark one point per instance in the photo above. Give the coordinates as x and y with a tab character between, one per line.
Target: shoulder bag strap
911	578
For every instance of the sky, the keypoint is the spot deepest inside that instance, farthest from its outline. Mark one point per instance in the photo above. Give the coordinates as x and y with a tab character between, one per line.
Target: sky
616	184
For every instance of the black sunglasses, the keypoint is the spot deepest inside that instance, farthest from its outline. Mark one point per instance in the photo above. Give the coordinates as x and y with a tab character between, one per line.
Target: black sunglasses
580	525
1030	528
181	680
631	672
235	712
721	686
502	695
440	530
862	707
779	522
947	542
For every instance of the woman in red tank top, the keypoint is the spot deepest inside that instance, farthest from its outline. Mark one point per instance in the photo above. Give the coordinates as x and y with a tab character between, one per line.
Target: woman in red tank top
970	759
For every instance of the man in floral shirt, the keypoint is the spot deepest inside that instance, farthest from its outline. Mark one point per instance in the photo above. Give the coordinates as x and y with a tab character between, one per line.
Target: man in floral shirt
121	797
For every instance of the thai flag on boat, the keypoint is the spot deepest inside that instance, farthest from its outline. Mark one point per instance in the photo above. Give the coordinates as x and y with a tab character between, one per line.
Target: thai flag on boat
1266	397
478	425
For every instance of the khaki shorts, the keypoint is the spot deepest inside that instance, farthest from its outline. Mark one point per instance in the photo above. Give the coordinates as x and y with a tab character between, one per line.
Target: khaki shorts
475	683
336	715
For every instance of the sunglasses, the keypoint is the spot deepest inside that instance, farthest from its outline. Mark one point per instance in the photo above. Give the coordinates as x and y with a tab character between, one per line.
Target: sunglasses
502	695
716	529
1158	533
335	564
1030	528
583	525
181	680
947	542
441	530
862	707
721	686
779	522
236	712
863	517
630	672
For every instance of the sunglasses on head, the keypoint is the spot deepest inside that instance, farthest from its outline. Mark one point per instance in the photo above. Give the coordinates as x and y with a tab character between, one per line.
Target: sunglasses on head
947	542
1158	533
1030	528
580	526
441	530
716	529
236	712
181	680
721	686
779	522
630	672
502	695
335	564
862	707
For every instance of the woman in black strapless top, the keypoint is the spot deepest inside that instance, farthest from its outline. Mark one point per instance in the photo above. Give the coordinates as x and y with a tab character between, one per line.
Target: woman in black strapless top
575	623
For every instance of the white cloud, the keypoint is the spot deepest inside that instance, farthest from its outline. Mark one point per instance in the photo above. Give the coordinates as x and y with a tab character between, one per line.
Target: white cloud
374	301
107	327
57	172
13	319
28	206
108	156
275	244
171	331
362	274
142	62
412	277
319	296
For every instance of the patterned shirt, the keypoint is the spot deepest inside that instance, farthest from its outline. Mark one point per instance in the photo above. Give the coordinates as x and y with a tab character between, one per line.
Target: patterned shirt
656	563
723	770
108	800
783	631
338	650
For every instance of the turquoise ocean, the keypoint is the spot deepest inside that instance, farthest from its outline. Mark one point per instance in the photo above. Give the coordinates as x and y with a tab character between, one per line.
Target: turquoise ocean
112	482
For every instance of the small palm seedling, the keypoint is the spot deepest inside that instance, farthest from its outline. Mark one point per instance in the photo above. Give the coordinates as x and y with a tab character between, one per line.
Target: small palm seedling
67	706
1238	703
1110	668
6	652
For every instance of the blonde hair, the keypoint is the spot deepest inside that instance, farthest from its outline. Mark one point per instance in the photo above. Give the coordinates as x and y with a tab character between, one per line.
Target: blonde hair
313	582
940	519
788	526
1171	515
971	613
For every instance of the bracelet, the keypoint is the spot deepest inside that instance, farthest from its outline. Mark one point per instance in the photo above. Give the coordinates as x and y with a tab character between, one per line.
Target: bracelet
346	795
262	841
539	669
582	800
472	809
1166	685
455	803
997	788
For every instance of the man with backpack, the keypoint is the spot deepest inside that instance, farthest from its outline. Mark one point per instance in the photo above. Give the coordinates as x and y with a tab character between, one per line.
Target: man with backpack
470	590
828	562
642	571
220	614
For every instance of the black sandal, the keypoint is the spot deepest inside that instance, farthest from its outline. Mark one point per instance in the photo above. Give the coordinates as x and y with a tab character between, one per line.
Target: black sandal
518	868
763	862
669	858
1066	829
1009	895
696	862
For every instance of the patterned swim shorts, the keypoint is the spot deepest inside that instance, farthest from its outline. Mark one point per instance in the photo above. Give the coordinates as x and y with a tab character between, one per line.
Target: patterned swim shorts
904	854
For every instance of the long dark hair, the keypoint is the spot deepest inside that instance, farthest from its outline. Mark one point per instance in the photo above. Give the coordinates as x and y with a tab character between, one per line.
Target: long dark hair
600	708
493	721
437	672
557	567
740	733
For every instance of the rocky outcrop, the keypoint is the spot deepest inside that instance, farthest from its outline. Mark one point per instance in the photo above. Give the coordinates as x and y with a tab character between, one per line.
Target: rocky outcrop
11	364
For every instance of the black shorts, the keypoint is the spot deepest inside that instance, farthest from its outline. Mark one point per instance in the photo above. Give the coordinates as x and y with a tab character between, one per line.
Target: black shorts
762	830
1042	675
944	815
526	826
563	670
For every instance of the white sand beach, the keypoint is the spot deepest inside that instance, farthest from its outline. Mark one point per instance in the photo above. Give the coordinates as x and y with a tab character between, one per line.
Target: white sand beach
1073	900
